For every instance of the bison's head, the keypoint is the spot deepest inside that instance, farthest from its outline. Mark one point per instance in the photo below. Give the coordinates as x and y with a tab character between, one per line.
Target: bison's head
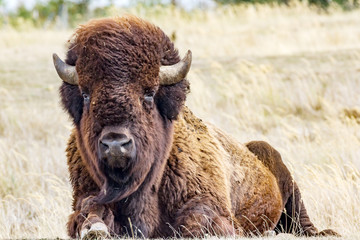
123	85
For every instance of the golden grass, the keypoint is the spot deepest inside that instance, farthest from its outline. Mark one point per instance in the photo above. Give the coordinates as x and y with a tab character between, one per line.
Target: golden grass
289	76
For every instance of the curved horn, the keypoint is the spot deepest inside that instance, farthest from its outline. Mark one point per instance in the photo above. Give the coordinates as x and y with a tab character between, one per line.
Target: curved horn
175	73
66	72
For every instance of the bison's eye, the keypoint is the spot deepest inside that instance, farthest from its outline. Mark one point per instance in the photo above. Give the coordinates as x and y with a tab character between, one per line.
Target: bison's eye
149	97
86	97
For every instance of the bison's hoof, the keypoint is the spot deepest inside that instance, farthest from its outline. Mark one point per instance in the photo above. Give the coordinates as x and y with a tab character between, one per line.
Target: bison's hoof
97	231
269	233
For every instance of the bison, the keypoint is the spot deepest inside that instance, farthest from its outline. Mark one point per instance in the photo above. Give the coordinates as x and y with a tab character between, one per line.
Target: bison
142	164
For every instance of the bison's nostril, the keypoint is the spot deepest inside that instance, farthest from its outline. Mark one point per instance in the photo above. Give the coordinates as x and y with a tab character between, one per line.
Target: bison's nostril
116	148
126	146
103	146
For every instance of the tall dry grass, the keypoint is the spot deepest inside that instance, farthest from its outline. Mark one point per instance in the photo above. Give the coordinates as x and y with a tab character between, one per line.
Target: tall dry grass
289	76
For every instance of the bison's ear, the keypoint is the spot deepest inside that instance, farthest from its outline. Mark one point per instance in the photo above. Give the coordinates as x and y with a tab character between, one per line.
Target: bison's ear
72	101
170	98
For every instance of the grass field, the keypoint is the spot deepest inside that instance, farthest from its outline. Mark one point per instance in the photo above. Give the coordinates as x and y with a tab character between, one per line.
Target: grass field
289	76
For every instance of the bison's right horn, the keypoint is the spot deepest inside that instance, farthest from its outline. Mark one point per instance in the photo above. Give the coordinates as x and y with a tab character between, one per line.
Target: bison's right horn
175	73
66	72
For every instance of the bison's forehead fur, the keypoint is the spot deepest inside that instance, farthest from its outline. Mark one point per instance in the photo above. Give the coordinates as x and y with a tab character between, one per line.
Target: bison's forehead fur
119	58
120	49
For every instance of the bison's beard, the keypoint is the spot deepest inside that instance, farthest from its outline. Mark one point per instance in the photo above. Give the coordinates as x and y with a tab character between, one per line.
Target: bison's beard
121	183
113	192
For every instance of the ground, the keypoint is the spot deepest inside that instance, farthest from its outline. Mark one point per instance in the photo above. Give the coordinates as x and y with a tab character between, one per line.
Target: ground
289	76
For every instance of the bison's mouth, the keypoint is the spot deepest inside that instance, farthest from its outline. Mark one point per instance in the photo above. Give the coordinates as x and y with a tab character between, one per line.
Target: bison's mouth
116	164
117	175
119	185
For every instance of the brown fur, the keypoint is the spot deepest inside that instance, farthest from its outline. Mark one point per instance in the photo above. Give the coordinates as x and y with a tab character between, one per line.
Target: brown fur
188	178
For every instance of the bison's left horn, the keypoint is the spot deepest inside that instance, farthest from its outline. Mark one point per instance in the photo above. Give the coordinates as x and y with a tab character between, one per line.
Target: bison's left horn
175	73
66	72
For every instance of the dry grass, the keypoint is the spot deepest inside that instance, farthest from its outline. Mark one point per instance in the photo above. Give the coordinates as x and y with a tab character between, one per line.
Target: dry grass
290	76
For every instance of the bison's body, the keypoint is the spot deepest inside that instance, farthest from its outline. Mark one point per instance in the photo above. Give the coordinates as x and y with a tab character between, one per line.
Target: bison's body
173	175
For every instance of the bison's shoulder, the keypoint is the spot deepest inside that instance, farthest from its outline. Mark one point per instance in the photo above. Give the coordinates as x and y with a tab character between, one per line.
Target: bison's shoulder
80	178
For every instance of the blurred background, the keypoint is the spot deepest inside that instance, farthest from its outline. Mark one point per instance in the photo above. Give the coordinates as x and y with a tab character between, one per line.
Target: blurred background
68	13
282	71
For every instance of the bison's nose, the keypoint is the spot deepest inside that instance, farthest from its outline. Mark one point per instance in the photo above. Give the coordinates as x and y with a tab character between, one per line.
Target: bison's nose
117	149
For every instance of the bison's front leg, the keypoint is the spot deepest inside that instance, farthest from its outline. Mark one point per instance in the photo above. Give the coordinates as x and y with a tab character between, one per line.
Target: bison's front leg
92	221
99	220
87	216
198	219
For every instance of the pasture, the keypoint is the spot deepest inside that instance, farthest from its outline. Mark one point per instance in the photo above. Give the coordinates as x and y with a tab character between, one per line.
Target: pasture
289	76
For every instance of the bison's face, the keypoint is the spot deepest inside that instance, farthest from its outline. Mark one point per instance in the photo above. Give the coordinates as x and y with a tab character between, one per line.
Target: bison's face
122	100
